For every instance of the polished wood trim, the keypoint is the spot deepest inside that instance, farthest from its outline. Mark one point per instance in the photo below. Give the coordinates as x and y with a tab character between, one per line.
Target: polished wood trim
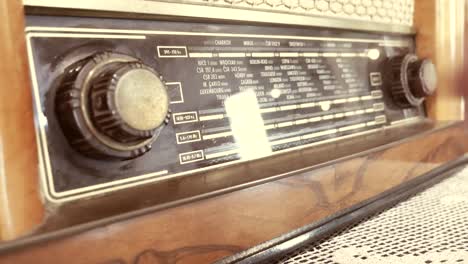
208	230
440	36
20	207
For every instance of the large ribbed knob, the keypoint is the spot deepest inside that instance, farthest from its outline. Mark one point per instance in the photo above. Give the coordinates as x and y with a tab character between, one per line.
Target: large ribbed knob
111	106
412	80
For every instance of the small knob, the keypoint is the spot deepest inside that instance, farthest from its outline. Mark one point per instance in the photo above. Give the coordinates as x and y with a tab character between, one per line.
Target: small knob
412	79
111	106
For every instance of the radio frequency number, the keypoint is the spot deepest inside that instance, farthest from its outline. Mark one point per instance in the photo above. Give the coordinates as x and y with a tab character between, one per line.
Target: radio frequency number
214	77
209	70
193	156
186	137
172	51
186	117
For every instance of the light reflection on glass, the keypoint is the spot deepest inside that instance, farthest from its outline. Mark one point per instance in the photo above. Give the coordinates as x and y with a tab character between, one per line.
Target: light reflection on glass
373	54
247	125
325	106
275	93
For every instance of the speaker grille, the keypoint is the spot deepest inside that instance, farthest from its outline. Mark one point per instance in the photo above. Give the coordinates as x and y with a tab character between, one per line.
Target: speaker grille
431	227
397	12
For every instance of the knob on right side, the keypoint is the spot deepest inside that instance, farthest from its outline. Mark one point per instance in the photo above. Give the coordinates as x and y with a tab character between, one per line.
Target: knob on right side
412	79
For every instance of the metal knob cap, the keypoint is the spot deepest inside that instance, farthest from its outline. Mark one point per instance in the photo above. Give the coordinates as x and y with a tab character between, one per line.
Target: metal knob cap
412	80
128	101
422	78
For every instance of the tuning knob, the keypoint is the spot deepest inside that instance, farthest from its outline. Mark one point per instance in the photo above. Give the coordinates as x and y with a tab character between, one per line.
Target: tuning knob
412	80
111	106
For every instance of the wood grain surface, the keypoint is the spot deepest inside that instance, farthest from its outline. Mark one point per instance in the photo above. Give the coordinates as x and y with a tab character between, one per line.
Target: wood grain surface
440	37
20	207
210	229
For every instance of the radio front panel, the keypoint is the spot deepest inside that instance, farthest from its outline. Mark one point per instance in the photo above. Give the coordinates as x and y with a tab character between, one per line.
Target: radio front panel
223	95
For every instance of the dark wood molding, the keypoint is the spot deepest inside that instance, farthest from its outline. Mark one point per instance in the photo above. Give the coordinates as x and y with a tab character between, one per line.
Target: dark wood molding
211	229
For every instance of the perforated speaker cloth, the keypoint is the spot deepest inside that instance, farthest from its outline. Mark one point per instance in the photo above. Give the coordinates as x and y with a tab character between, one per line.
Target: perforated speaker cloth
431	227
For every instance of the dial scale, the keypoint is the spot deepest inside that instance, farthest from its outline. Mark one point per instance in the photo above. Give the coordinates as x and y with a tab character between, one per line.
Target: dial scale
119	103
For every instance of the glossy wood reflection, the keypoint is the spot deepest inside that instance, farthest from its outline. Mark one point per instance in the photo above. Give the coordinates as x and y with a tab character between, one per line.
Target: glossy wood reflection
210	229
20	208
440	37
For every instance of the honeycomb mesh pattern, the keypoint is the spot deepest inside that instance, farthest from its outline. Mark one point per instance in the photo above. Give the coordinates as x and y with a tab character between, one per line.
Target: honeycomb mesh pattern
397	12
431	227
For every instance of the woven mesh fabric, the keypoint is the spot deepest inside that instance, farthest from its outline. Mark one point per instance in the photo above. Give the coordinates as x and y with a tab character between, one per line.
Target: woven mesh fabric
431	227
397	12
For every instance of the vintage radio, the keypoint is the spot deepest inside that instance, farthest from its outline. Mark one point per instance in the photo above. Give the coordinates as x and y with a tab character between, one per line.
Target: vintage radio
218	124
